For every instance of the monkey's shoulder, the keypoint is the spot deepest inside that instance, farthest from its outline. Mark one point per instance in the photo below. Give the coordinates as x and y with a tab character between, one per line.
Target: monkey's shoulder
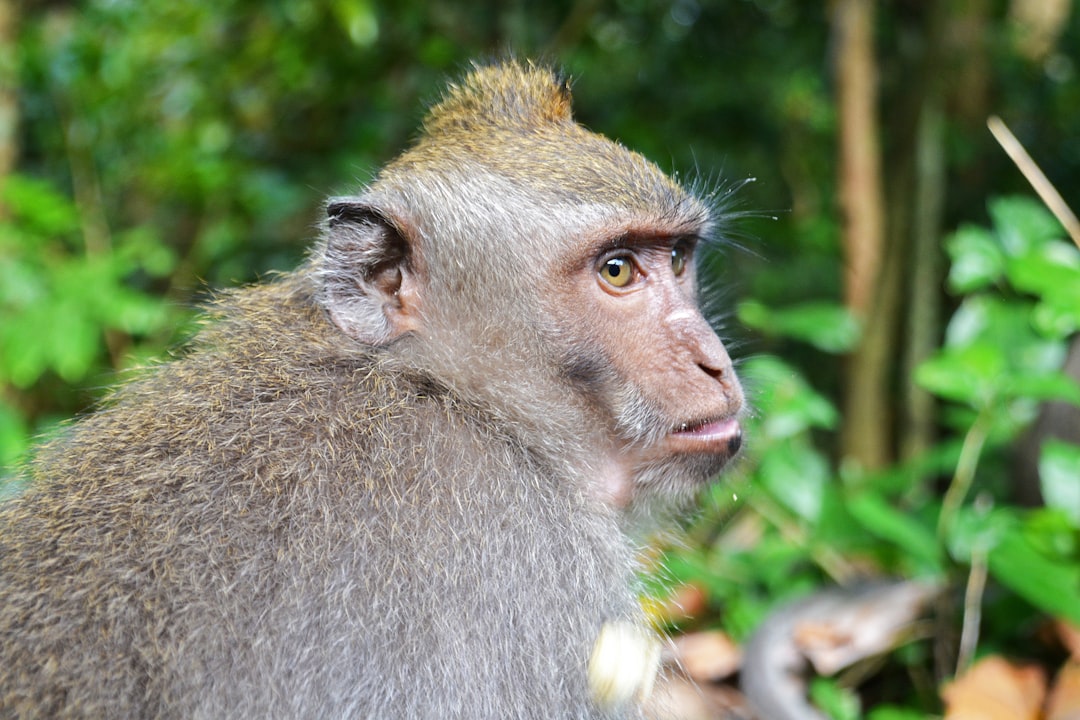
269	396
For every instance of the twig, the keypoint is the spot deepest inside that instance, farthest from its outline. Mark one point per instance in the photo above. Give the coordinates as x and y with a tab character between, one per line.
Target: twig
833	563
965	472
973	593
1035	176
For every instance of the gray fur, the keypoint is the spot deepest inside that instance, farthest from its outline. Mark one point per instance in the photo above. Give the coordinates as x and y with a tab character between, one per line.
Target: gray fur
256	541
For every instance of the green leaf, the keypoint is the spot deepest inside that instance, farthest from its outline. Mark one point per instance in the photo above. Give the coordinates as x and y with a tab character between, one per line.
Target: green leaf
993	320
914	538
1052	532
754	315
826	326
21	285
133	312
1058	316
73	341
1059	478
971	374
1048	583
1022	223
24	353
1044	386
976	530
796	475
838	702
13	435
785	401
359	21
890	712
142	248
38	207
1045	268
977	260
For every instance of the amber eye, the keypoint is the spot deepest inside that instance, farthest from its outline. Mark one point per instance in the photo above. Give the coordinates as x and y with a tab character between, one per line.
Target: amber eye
678	260
617	271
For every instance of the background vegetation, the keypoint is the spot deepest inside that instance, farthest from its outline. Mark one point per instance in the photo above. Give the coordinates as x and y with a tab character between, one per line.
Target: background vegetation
902	306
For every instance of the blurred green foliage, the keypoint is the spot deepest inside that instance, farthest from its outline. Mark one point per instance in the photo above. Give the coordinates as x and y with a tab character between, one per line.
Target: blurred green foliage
215	130
167	149
811	519
61	303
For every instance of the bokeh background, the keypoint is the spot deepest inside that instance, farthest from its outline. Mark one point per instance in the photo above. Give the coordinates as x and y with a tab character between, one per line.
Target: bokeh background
901	303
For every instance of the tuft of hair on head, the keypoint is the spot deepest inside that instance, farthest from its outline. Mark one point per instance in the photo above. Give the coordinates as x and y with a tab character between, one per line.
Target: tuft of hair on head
507	93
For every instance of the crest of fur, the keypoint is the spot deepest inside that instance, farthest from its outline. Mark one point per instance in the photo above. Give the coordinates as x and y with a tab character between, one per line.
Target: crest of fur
508	95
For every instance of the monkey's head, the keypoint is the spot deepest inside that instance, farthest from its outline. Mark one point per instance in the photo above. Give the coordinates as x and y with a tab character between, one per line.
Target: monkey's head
547	274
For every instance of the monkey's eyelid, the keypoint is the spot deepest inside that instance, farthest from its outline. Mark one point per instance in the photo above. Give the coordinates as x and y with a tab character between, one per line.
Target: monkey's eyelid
644	245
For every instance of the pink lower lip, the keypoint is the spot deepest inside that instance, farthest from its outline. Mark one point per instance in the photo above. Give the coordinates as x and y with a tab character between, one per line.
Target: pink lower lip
725	433
715	429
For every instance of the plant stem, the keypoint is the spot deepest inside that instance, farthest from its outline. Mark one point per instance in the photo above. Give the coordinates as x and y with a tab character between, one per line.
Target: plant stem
973	593
965	472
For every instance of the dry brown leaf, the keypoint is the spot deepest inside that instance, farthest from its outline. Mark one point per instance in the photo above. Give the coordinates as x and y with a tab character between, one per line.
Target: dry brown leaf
707	655
684	602
1064	700
995	689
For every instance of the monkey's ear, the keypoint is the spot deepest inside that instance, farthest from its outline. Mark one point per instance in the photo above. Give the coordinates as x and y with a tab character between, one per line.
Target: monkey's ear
370	287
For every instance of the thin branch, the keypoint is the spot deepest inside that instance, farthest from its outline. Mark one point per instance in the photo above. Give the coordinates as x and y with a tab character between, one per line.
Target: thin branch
832	562
1036	177
973	594
965	472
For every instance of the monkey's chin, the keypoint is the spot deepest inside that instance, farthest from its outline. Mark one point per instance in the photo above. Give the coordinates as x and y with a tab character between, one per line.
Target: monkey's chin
689	459
675	484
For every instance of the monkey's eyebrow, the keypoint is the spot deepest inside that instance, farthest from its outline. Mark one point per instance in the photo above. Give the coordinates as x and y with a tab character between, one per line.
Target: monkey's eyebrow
644	241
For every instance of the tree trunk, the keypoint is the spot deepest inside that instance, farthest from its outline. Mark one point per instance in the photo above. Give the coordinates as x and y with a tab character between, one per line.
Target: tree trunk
866	432
924	307
930	69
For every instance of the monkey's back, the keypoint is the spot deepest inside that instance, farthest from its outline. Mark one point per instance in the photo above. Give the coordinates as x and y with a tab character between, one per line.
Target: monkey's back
243	533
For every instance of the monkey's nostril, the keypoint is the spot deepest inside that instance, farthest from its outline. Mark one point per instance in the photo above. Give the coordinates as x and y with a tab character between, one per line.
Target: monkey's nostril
714	373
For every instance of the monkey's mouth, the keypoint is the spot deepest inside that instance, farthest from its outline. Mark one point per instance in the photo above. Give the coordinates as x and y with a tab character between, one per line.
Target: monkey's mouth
711	435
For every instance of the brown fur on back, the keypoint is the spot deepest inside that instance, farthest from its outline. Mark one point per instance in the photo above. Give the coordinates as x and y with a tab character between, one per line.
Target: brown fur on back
241	534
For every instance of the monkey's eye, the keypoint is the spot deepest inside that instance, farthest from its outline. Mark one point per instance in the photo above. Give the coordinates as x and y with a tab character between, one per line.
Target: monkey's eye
617	271
678	260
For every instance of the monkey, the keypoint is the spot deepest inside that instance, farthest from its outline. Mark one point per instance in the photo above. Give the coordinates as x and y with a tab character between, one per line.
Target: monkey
400	480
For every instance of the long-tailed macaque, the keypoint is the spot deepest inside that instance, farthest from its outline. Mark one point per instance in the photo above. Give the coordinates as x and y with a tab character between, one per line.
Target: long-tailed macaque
393	483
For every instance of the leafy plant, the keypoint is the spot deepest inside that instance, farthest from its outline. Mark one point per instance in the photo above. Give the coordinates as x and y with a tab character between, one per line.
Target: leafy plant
1003	351
794	519
65	310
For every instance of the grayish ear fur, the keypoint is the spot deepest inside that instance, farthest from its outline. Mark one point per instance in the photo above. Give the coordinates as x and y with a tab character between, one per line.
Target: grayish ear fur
364	258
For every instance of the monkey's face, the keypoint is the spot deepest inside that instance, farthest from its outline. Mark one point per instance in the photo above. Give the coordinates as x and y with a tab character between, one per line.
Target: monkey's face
653	370
546	274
